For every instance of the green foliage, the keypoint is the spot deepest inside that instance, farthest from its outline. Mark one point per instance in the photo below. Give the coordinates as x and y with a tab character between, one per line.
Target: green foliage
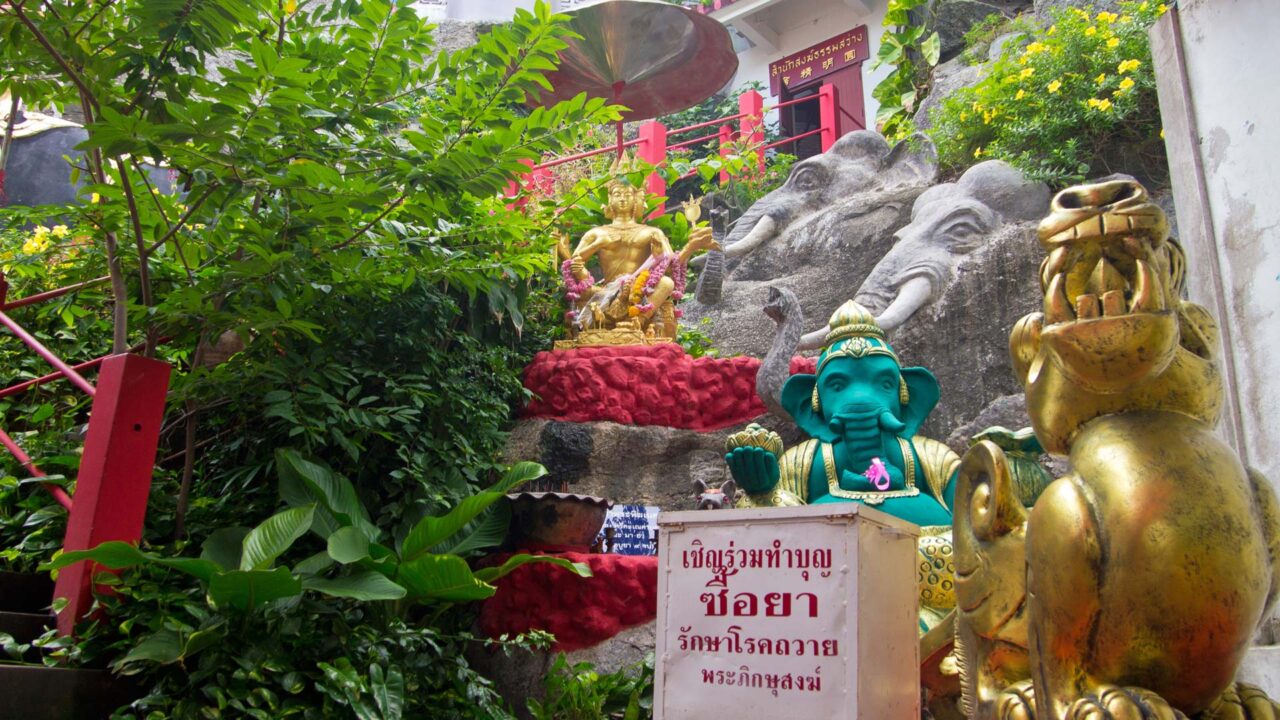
581	693
912	53
339	273
427	567
310	657
696	341
1078	99
978	39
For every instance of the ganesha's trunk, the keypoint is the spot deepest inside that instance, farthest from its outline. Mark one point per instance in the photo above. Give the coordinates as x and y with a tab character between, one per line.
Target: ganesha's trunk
711	264
866	433
774	370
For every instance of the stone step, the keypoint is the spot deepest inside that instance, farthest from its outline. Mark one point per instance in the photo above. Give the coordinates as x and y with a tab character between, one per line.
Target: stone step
33	692
25	627
25	592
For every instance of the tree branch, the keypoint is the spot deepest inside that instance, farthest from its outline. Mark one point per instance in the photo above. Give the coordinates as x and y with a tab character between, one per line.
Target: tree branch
386	211
53	53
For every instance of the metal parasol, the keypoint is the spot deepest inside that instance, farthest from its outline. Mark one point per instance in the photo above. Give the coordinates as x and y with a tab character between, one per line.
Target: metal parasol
651	56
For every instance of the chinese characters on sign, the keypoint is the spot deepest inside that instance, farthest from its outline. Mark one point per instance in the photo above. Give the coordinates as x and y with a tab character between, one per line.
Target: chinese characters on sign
760	613
633	529
820	60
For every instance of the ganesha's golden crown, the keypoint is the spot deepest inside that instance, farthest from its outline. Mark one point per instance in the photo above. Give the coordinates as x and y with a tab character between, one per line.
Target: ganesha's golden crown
850	320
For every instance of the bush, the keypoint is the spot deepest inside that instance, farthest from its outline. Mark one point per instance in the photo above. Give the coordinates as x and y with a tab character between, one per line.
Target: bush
1077	100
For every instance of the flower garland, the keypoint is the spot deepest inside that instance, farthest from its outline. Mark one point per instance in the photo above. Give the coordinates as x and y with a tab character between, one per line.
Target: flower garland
573	286
640	289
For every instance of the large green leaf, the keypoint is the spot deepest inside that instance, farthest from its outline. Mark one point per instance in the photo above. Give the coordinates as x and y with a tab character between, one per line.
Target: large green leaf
115	554
388	691
432	531
443	578
362	585
348	545
247	589
304	482
487	530
223	546
490	574
273	536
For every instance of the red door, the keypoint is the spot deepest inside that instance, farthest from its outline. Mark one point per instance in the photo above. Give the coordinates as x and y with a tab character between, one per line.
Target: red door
803	117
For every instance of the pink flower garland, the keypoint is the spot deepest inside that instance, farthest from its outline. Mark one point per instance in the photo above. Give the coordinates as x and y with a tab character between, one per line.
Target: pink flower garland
573	286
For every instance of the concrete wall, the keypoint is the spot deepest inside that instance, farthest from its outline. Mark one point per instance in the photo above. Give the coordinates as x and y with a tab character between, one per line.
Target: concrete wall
1216	66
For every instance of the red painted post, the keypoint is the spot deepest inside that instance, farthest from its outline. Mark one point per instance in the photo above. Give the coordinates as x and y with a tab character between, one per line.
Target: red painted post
751	127
110	501
653	150
726	149
828	115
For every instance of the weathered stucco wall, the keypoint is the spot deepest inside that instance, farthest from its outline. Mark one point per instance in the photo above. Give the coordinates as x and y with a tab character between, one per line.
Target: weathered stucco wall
1215	61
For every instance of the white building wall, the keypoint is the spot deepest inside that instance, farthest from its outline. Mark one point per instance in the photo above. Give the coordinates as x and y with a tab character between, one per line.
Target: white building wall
802	23
1220	104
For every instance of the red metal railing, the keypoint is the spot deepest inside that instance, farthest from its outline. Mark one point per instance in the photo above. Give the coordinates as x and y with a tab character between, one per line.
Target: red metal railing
652	143
119	452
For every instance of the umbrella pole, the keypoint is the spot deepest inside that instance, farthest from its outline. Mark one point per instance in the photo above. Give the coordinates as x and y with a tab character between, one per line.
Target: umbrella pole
617	100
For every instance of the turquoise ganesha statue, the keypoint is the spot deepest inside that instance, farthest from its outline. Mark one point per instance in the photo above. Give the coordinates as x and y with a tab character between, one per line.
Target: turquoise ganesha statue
862	410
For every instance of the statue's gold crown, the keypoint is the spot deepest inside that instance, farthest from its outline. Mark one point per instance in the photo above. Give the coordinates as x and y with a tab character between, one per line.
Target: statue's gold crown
853	320
855	333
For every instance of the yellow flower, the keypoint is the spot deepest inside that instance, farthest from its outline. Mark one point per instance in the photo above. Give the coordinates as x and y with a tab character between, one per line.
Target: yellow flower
1026	73
964	116
1052	29
60	231
1103	104
1129	65
291	6
1107	17
1162	9
1091	31
1144	5
40	234
1161	133
36	243
94	198
977	153
1055	86
1101	78
1035	47
1021	94
1126	83
1113	43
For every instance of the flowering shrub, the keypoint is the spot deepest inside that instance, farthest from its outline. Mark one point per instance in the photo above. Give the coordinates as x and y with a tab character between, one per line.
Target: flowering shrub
1077	100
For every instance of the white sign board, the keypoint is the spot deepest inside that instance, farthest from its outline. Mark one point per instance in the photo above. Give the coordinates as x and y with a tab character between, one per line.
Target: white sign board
634	528
799	613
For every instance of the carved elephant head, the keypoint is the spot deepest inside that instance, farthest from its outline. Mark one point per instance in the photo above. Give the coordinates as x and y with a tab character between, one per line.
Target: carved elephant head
859	162
948	222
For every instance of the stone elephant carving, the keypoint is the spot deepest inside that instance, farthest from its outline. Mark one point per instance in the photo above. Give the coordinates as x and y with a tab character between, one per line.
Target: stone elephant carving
948	223
859	163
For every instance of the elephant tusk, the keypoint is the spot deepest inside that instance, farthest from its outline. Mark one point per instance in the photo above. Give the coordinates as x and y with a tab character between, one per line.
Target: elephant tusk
911	297
763	230
890	423
814	340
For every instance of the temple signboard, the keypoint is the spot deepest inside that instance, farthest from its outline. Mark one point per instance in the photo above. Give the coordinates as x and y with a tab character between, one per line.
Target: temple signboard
805	612
817	61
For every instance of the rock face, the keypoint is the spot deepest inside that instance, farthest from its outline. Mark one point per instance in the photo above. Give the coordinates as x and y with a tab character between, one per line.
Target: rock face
821	258
640	465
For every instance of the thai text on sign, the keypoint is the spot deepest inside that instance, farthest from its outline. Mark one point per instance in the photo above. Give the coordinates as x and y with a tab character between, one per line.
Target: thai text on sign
771	612
819	60
634	528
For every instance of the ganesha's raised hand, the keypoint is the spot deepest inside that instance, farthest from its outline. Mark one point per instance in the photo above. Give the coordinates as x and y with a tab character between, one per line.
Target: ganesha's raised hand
753	468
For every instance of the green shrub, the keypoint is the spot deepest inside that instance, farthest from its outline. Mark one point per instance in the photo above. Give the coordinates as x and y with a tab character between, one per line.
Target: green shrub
581	693
1077	100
